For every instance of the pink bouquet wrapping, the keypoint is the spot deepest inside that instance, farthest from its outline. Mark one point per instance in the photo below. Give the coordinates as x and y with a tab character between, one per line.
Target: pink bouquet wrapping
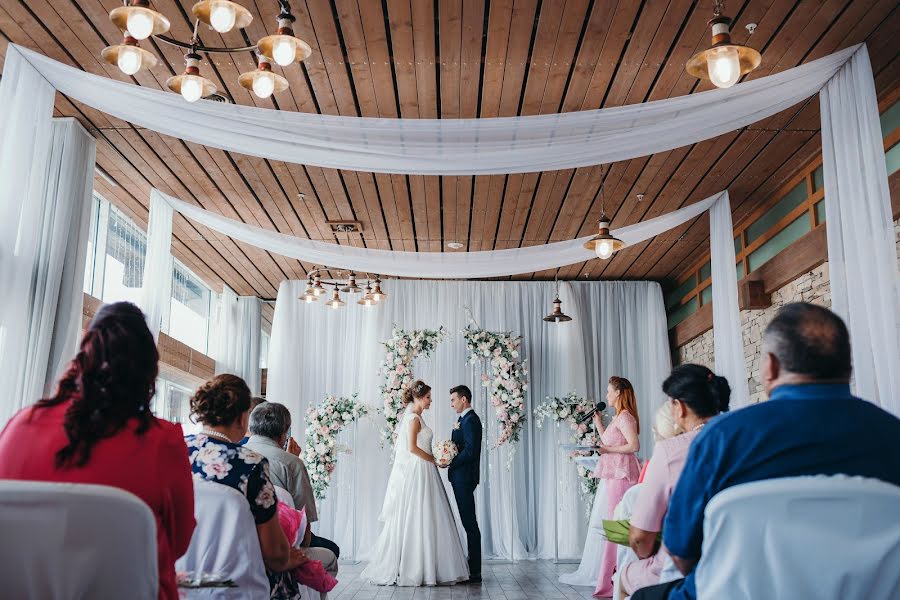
444	452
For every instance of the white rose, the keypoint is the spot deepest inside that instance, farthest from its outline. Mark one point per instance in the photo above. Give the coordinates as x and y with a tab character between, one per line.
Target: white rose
321	448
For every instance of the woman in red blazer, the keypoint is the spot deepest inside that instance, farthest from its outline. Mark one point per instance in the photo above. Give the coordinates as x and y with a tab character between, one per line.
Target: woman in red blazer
98	429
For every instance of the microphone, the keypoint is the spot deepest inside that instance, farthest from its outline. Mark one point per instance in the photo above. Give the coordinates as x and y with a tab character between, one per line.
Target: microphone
600	407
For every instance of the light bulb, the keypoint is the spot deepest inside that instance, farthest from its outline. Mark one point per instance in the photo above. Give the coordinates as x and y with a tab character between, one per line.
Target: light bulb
191	89
140	23
724	66
604	249
264	84
129	60
222	16
284	51
309	298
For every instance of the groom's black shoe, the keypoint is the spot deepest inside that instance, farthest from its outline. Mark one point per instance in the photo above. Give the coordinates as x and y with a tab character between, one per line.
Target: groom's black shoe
474	579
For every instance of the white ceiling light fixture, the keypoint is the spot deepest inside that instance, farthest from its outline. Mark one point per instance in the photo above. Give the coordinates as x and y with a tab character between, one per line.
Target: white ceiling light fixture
455	245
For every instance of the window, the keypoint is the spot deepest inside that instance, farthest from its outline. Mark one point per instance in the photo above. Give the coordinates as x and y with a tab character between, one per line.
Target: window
264	350
91	246
173	403
763	224
779	242
123	269
682	312
189	318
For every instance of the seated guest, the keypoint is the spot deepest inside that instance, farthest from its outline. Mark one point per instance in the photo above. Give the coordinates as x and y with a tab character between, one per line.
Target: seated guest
222	405
97	428
811	425
269	426
696	396
254	402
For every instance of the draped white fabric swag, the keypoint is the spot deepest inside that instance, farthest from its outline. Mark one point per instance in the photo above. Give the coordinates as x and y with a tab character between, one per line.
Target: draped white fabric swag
618	328
239	333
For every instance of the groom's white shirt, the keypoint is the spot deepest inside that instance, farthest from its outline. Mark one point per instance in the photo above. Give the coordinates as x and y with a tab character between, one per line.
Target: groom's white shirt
465	412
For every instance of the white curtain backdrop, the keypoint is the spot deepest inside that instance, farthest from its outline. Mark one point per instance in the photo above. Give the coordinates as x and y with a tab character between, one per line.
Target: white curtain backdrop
433	265
44	218
446	146
862	259
156	287
728	343
239	335
531	510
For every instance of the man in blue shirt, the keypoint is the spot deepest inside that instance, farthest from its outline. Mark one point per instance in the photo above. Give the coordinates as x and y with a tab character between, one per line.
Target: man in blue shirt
811	425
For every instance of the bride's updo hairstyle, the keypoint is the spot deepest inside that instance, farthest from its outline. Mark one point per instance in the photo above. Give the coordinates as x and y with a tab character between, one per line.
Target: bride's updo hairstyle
418	389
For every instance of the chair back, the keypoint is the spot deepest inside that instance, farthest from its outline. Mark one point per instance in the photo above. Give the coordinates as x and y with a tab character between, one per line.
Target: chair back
225	544
802	537
284	496
61	541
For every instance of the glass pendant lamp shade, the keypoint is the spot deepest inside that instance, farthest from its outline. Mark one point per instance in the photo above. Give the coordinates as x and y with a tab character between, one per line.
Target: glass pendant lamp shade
139	20
604	244
284	47
351	287
308	296
317	288
222	15
262	81
724	62
335	302
377	294
128	56
191	85
557	315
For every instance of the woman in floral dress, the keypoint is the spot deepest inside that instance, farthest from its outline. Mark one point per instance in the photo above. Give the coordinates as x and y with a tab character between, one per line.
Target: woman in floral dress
222	405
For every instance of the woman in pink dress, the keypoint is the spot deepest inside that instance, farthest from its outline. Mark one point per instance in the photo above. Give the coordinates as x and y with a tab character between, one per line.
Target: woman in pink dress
696	396
618	464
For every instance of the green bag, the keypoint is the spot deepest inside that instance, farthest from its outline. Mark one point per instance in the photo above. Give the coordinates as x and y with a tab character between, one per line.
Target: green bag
617	532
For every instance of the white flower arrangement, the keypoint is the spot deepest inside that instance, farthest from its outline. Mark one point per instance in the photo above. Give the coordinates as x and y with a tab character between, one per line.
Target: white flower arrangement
323	423
571	409
401	350
508	379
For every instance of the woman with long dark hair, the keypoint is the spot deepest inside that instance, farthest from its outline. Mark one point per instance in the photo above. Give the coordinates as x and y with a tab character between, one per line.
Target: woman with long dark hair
618	466
97	428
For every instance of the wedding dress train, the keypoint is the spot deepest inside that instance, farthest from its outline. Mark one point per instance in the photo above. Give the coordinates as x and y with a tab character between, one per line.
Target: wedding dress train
419	544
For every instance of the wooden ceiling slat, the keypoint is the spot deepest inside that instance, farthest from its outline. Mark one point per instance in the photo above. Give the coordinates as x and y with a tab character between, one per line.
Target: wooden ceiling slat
425	59
400	19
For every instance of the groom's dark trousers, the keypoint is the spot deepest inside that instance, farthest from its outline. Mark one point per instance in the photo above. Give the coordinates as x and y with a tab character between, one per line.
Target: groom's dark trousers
464	476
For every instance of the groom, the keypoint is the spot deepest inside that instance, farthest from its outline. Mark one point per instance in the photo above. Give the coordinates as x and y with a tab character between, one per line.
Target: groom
464	472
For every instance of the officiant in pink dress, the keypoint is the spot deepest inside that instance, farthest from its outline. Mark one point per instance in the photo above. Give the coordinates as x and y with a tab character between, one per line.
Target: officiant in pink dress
618	465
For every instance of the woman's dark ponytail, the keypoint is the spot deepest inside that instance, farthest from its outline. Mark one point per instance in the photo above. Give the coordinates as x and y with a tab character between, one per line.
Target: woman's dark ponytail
705	393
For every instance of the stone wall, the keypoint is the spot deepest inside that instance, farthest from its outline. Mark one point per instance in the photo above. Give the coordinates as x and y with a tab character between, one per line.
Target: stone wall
809	287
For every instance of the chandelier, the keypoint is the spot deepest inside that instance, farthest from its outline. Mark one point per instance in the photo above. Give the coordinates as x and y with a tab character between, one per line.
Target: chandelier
724	62
138	21
372	294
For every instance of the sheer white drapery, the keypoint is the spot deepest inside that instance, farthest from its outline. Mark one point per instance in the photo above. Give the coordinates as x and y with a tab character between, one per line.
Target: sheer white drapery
432	265
240	330
728	343
446	146
156	286
44	219
862	260
619	328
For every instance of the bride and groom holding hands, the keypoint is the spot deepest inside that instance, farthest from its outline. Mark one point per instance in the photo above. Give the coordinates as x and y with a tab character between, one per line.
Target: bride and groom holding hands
419	543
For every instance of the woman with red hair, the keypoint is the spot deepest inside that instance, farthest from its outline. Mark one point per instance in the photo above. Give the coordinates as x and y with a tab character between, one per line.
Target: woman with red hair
618	466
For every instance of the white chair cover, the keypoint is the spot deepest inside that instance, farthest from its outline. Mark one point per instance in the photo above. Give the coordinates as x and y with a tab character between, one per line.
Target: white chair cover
225	543
802	537
624	554
61	541
284	496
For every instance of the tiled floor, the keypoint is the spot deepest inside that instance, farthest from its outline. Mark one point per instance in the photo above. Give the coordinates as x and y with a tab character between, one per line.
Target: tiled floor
517	581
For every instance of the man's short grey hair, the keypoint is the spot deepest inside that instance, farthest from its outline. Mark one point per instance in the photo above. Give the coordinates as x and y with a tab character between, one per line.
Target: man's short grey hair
270	420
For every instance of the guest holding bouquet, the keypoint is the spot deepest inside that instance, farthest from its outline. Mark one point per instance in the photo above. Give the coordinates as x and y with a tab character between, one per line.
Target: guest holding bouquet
618	466
97	428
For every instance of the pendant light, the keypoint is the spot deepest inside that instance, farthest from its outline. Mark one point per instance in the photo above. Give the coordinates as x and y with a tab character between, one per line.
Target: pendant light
377	294
191	85
128	56
308	296
138	19
557	315
317	288
284	47
222	15
367	299
335	302
723	63
262	81
351	287
604	244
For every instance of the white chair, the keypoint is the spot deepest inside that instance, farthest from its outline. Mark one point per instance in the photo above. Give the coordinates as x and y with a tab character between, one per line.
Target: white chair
284	496
61	541
802	537
624	554
225	544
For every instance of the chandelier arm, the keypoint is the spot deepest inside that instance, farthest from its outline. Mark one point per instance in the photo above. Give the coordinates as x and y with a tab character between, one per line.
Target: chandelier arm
200	48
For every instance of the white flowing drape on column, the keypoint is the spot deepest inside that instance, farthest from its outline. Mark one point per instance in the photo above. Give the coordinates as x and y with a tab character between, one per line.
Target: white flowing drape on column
862	260
446	146
156	287
44	219
240	330
728	343
619	329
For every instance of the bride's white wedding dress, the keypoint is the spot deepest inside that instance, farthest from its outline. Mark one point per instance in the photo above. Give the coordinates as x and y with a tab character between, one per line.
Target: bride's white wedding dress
419	544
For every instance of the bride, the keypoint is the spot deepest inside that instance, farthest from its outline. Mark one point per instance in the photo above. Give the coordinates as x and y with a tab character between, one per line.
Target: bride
419	544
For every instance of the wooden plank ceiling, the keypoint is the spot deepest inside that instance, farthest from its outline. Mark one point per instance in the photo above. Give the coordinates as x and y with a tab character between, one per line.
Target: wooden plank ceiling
455	59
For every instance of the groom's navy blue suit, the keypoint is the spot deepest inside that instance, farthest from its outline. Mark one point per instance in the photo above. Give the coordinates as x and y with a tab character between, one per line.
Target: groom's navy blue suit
464	475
